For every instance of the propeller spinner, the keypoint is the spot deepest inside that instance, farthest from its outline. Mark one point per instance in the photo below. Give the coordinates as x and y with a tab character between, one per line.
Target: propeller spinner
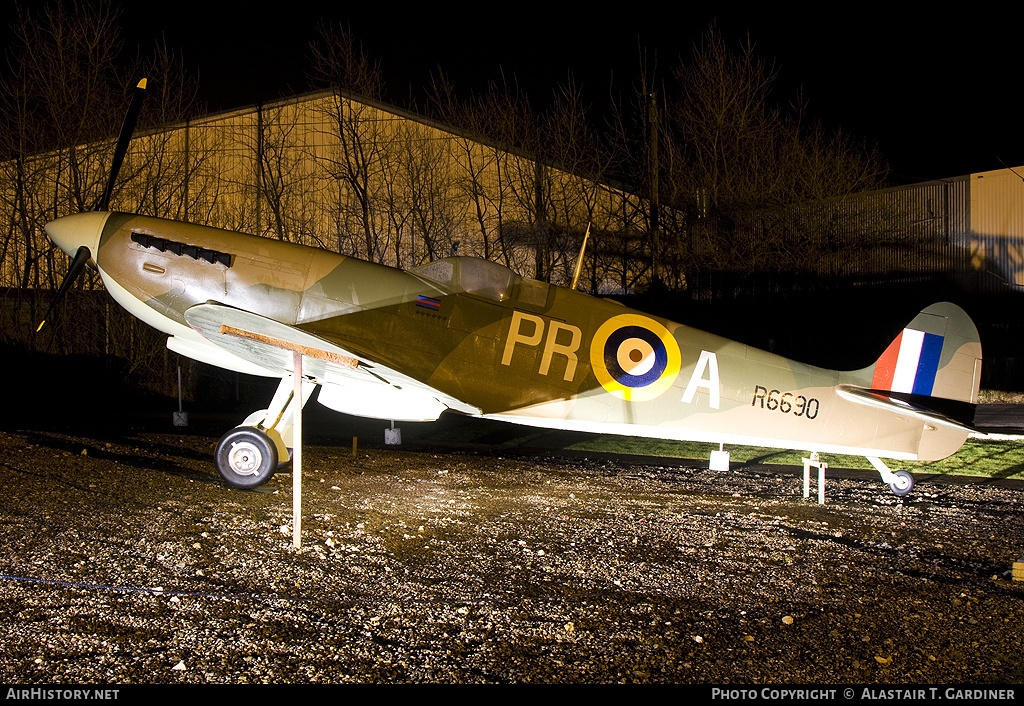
79	234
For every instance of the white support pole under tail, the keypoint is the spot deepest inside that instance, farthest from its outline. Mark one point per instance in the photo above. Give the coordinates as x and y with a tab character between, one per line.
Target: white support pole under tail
815	461
297	453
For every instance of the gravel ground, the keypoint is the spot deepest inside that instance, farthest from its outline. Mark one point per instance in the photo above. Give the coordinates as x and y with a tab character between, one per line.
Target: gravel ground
128	561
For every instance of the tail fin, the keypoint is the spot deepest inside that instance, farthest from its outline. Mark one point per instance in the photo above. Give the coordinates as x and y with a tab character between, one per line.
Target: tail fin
938	354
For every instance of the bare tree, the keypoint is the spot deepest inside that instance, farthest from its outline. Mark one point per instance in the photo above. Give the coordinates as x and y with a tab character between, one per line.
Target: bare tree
360	129
479	164
581	160
424	170
743	156
58	98
162	163
60	106
729	127
282	173
509	120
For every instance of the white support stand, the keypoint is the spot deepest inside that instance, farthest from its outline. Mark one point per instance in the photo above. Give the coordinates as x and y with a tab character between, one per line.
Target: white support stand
393	436
719	460
297	452
285	399
815	461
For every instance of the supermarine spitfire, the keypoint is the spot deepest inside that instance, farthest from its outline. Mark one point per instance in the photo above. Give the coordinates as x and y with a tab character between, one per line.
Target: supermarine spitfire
472	336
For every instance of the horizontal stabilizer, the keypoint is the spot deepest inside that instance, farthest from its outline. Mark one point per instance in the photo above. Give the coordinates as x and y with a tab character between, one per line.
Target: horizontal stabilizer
951	414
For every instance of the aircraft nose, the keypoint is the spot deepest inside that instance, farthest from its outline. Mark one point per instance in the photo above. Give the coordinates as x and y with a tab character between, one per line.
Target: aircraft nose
71	232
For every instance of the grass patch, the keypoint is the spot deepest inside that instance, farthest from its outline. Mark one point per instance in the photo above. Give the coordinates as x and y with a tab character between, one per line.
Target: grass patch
991	459
983	458
1000	397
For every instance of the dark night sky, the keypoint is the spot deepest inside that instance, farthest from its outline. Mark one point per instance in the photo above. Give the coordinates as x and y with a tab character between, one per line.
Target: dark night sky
938	94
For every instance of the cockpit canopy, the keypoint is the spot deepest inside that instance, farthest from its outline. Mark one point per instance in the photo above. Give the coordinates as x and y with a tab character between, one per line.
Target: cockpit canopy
484	279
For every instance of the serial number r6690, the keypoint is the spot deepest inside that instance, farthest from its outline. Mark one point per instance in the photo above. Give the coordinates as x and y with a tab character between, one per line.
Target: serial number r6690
785	402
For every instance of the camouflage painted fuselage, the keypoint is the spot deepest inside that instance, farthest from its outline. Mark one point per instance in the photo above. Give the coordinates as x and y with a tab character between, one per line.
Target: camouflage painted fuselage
530	352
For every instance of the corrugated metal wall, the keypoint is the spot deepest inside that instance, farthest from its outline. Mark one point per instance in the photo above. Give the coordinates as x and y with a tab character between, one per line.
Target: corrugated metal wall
995	235
971	227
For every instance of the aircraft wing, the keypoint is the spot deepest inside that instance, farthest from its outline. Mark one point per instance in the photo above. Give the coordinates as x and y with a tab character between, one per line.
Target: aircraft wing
350	383
917	407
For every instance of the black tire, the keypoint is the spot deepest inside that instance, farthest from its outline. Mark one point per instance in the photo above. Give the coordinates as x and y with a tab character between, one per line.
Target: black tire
246	458
903	484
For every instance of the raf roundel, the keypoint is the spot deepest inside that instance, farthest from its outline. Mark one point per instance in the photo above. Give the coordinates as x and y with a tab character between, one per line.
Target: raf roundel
634	357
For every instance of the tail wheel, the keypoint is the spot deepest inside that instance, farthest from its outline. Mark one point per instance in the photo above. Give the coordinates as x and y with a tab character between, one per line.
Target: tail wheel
902	484
246	458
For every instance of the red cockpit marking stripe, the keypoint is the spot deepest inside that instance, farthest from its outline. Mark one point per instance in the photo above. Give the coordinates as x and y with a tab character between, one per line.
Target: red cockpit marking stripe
278	343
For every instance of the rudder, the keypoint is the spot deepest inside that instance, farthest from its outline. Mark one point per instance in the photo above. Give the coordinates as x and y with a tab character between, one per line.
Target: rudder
938	354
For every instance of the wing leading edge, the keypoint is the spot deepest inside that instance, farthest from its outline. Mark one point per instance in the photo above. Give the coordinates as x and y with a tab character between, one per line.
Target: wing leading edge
350	383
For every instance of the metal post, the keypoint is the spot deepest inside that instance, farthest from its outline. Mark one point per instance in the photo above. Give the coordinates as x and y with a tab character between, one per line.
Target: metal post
297	451
180	418
815	461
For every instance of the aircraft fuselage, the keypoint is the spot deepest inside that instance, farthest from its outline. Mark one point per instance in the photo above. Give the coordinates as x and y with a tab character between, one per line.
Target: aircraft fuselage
508	346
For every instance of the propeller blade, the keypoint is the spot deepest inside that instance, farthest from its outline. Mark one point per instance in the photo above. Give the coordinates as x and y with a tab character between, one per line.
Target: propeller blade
127	128
77	265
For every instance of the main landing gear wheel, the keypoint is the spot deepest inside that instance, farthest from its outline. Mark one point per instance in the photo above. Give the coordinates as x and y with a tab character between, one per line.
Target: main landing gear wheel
902	484
246	458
